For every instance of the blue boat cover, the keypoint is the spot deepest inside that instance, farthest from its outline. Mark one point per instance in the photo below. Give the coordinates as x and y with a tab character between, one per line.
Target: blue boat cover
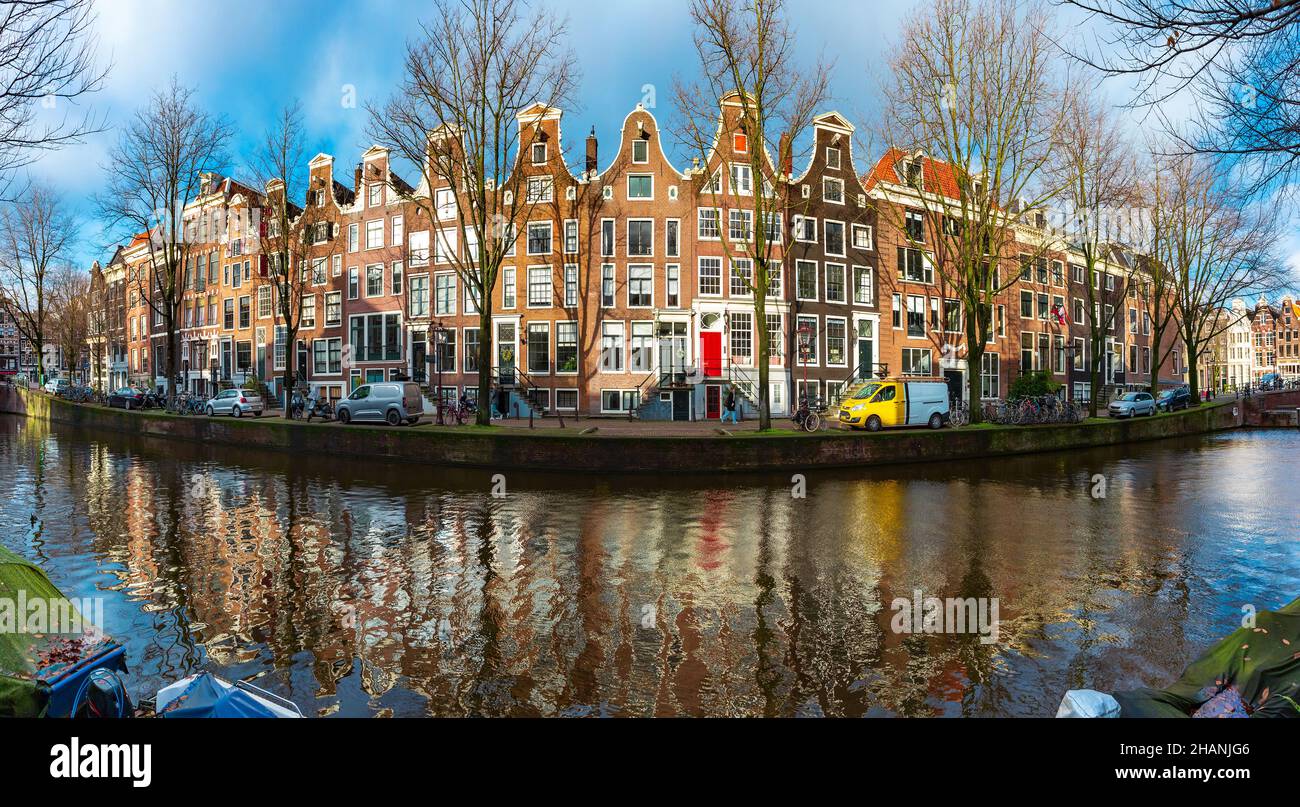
204	697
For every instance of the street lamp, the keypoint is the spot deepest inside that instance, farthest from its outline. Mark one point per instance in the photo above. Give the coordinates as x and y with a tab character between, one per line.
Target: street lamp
438	336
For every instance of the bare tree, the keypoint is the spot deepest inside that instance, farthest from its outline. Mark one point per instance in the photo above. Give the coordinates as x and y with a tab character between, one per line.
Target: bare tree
1241	59
746	50
155	171
47	56
1214	249
973	88
1094	166
469	74
287	242
70	303
36	233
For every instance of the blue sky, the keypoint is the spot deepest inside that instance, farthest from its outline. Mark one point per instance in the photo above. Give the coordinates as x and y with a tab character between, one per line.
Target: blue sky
247	58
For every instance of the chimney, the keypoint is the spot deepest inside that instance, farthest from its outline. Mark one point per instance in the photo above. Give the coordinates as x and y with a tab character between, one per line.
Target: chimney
592	167
356	181
786	156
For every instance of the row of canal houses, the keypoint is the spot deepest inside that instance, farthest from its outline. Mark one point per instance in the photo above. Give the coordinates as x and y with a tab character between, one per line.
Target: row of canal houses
624	292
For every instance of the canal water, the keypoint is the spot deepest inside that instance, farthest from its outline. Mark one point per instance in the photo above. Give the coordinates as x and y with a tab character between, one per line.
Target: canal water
366	589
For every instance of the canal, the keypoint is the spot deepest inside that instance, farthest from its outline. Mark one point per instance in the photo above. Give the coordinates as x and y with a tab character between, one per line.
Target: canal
369	589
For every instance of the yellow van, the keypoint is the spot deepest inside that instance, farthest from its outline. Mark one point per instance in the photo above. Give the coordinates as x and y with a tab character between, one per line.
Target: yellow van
896	402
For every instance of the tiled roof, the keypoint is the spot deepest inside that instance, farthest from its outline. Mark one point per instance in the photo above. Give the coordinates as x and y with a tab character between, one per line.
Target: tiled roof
937	176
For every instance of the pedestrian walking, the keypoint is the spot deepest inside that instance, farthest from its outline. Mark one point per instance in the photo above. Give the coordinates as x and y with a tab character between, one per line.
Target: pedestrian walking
729	407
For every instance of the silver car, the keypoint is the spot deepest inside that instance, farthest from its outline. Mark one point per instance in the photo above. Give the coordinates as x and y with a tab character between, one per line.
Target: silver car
236	402
392	402
1132	404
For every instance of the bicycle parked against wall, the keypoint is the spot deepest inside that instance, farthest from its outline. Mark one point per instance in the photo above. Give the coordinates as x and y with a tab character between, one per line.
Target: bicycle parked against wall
808	418
958	413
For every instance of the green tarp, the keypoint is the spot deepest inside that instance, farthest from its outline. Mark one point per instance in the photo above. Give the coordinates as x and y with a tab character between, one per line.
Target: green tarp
1261	662
30	659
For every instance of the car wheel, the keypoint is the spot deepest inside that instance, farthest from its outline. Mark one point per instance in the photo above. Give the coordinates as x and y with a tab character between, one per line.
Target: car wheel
393	418
257	413
128	406
345	417
210	413
873	424
936	421
412	421
237	412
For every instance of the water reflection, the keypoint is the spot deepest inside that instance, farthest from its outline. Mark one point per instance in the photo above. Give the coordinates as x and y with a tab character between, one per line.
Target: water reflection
369	589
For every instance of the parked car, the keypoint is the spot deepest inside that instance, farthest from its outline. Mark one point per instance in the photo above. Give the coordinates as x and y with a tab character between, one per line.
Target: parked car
896	403
236	402
393	402
128	398
56	386
1171	400
1132	404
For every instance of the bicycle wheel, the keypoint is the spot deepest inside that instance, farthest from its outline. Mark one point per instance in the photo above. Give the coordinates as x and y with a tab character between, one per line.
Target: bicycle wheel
812	422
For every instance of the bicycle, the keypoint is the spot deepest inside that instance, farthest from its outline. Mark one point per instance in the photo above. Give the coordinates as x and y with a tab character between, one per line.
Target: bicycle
808	418
958	414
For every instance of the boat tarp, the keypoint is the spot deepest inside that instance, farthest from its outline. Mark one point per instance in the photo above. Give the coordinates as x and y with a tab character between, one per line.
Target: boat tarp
1261	662
31	660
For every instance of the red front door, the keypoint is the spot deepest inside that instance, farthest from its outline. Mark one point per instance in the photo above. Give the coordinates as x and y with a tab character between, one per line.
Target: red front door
712	401
711	353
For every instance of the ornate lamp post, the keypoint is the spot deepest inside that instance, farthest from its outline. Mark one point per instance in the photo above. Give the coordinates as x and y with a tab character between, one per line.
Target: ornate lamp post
438	337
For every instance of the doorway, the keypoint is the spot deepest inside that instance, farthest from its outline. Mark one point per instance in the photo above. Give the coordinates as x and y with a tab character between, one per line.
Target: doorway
955	385
681	404
711	353
712	401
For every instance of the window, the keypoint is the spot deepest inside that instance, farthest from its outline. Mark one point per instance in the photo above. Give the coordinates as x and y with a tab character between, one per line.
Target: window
228	316
640	286
914	265
444	201
607	238
835	290
1026	352
1078	353
709	223
672	241
570	237
539	190
318	275
320	232
834	232
395	278
833	190
279	351
640	186
444	294
327	356
418	252
470	362
374	194
832	157
807	334
740	142
539	153
990	376
566	347
539	286
539	347
916	361
641	350
399	230
741	277
264	302
244	312
742	337
862	237
570	285
308	315
640	237
805	229
741	179
863	286
611	347
1076	273
740	225
376	337
354	242
374	280
710	277
640	151
1042	306
673	285
952	316
915	315
333	308
914	227
419	303
508	287
1058	273
836	342
607	285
